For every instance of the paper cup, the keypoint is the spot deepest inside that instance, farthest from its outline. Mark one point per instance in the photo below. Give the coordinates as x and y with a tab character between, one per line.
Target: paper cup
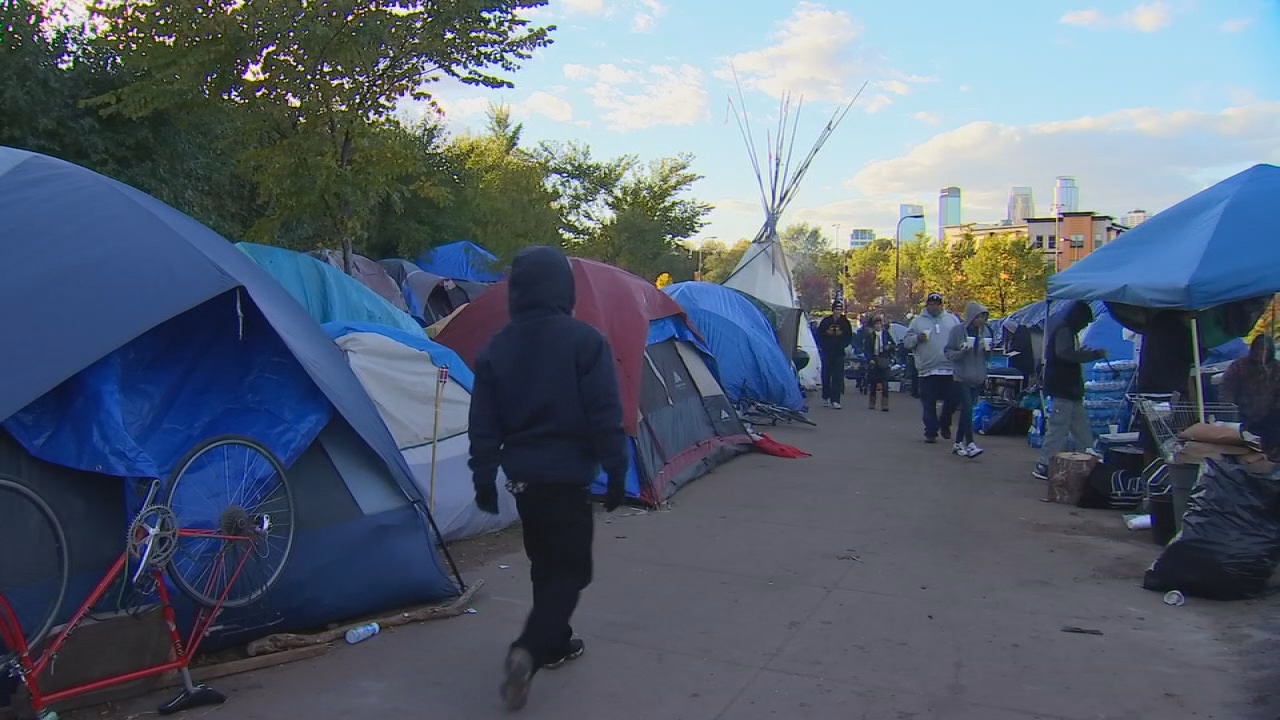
1115	429
986	343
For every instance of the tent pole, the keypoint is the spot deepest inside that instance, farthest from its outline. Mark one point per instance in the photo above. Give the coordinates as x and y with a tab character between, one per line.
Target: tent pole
1195	350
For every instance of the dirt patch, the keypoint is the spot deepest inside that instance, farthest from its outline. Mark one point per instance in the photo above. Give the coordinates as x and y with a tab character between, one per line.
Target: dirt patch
476	552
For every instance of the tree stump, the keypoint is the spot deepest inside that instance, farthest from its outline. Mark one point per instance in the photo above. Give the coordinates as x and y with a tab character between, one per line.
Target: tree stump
1068	476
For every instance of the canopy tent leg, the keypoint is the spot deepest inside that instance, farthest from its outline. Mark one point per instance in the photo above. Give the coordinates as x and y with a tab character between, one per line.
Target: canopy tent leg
1195	350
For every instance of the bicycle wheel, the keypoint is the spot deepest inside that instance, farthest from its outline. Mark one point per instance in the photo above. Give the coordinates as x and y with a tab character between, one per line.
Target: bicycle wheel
33	570
234	511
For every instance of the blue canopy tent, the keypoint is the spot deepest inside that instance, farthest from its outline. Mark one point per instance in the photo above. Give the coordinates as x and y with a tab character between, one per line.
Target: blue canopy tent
139	332
1216	251
742	342
462	260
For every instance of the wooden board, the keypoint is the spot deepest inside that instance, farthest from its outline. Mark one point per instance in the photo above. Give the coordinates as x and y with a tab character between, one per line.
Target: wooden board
1068	476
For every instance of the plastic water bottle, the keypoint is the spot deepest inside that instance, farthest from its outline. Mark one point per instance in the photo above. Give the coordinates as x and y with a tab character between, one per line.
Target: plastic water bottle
362	633
1035	436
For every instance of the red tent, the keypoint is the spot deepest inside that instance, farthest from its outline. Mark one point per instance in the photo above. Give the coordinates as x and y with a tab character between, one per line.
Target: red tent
615	302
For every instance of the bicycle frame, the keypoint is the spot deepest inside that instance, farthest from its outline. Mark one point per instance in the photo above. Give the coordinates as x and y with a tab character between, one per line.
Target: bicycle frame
29	670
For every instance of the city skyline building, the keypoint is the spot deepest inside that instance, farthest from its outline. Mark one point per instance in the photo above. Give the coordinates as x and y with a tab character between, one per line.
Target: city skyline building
911	227
1022	205
948	207
1134	218
861	237
1066	195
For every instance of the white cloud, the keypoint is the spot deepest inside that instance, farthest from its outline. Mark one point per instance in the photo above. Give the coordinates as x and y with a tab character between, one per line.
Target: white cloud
897	87
965	88
650	10
819	54
1147	17
635	100
814	54
927	118
878	103
1236	25
1130	158
1081	17
587	7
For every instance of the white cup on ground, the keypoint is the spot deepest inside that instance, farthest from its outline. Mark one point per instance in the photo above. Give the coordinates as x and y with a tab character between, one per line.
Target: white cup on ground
1115	429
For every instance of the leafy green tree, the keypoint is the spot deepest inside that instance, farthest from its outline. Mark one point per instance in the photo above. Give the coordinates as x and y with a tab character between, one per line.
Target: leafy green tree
1004	273
942	267
325	78
623	212
505	203
718	259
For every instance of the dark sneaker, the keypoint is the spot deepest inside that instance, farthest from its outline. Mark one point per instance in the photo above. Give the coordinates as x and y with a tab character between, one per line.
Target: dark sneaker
576	648
931	439
945	432
519	674
1041	472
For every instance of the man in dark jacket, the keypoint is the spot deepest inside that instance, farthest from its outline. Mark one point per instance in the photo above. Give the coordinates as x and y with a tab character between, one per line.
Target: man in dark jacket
1064	384
835	333
545	408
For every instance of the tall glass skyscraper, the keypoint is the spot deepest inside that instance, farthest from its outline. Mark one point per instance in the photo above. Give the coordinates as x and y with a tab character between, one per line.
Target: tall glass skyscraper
914	226
1066	196
1021	205
948	207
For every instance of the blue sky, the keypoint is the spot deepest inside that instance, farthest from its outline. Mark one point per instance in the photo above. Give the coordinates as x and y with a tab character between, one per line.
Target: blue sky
1144	102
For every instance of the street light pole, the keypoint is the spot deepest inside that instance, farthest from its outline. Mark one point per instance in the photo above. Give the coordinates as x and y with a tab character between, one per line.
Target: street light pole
897	257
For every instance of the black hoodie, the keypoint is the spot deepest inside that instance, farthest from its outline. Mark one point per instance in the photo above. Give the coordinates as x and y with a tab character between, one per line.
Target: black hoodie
545	405
1063	374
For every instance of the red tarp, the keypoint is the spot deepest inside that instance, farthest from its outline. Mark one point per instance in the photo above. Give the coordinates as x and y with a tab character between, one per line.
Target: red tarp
613	301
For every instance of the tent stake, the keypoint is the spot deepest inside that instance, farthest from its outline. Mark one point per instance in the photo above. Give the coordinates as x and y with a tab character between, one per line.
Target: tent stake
1195	349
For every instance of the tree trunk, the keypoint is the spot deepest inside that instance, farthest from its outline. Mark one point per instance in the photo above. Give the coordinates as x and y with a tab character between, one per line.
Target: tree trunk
346	254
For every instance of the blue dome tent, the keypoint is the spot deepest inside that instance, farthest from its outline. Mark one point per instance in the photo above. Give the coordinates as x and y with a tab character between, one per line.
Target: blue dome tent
142	333
462	260
747	356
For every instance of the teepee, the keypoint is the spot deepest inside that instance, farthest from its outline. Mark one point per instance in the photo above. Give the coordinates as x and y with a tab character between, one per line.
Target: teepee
764	272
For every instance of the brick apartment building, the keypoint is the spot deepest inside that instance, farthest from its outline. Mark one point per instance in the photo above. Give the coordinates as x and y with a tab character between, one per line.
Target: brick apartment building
1082	233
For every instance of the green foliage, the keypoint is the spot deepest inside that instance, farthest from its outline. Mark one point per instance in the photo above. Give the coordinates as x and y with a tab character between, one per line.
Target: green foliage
623	212
1005	273
272	121
322	80
719	260
815	265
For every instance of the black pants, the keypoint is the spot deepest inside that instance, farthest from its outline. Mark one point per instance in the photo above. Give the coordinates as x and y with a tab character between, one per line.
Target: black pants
932	389
833	377
966	394
558	532
877	378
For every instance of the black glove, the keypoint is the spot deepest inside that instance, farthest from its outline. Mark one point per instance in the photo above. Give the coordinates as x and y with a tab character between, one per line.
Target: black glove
487	498
615	494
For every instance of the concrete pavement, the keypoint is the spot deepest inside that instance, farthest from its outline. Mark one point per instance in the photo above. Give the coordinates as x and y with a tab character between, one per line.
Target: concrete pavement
882	579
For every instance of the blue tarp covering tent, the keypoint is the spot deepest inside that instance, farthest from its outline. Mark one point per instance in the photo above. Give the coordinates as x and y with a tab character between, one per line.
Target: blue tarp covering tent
327	293
462	260
143	332
1215	247
742	343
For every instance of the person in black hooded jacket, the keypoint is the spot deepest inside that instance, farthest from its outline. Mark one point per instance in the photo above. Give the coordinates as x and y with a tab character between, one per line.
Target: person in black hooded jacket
1068	421
545	408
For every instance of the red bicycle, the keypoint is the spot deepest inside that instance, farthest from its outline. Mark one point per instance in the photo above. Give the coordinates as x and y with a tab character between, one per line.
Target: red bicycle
221	529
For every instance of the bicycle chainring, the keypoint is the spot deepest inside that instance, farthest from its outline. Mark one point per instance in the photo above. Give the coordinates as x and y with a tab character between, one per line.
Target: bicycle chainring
158	526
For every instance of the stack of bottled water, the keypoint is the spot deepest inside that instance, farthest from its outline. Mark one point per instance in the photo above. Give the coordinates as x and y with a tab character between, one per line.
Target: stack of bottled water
1105	389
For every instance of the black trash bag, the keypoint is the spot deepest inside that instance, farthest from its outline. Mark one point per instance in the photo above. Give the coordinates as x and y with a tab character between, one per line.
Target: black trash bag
1230	538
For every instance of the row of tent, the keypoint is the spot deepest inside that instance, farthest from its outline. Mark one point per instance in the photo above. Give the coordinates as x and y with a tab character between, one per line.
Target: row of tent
143	332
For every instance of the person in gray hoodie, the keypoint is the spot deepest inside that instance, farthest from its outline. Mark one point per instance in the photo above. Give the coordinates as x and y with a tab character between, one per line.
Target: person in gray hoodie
968	349
927	338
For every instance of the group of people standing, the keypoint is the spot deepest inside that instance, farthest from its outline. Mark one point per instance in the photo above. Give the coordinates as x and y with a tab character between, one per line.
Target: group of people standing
835	335
950	360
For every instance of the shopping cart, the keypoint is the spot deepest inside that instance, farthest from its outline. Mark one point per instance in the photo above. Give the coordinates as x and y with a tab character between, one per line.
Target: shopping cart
1165	416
